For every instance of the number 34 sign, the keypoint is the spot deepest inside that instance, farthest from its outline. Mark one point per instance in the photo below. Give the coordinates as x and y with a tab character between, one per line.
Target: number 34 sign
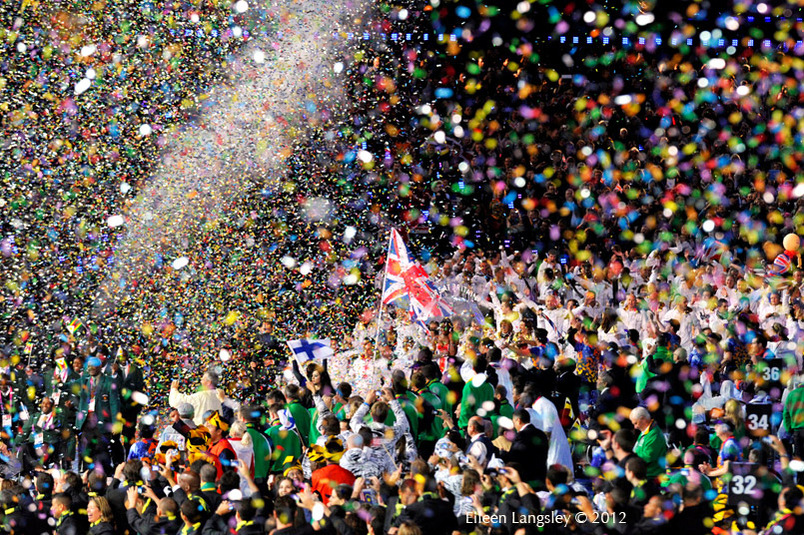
758	419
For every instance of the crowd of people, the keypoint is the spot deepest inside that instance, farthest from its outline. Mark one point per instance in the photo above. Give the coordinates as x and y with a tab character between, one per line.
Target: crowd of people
648	397
621	358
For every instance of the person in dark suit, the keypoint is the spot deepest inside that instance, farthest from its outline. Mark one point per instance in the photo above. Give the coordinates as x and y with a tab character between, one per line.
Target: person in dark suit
432	514
63	386
98	411
164	522
127	476
285	514
528	449
192	518
65	519
43	502
130	380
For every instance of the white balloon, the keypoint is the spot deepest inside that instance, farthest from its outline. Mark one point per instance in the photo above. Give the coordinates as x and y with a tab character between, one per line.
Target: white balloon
88	50
180	262
115	221
82	85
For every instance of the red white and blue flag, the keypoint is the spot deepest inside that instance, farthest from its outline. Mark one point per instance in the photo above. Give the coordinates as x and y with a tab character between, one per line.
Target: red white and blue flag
405	277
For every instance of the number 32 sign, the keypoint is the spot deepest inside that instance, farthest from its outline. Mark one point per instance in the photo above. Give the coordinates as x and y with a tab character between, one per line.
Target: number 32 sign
748	483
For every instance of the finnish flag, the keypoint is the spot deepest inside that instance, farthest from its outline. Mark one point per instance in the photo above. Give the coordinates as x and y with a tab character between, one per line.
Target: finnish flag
307	349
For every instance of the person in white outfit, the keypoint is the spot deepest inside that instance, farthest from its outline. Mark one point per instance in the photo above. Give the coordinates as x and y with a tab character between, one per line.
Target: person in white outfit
244	448
207	399
547	420
773	310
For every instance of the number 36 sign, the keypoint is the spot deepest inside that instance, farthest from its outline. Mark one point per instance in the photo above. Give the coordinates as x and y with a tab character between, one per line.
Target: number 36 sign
771	376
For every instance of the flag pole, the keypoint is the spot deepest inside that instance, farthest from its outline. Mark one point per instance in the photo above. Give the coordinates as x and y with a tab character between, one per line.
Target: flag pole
379	312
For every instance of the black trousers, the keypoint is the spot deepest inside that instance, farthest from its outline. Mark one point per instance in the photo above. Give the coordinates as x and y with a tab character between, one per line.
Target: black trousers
130	415
798	442
30	457
94	445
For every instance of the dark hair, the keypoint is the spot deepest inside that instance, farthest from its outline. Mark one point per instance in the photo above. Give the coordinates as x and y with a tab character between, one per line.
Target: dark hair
366	434
408	484
638	467
480	364
456	438
691	493
793	496
246	510
285	509
229	481
276	397
343	491
379	412
526	399
251	413
431	371
625	440
132	471
633	336
147	431
96	482
73	482
44	482
345	389
399	382
64	499
418	380
620	492
293	392
330	425
523	415
494	354
197	465
193	511
378	523
326	384
606	379
557	475
425	355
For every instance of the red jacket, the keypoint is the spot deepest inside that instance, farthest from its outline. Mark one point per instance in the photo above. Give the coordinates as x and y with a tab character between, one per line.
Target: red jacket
326	479
224	455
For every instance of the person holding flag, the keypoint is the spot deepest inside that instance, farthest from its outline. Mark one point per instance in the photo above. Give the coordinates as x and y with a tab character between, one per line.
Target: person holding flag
405	277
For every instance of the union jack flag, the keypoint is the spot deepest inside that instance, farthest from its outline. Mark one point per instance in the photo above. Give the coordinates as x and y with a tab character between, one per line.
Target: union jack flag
404	277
